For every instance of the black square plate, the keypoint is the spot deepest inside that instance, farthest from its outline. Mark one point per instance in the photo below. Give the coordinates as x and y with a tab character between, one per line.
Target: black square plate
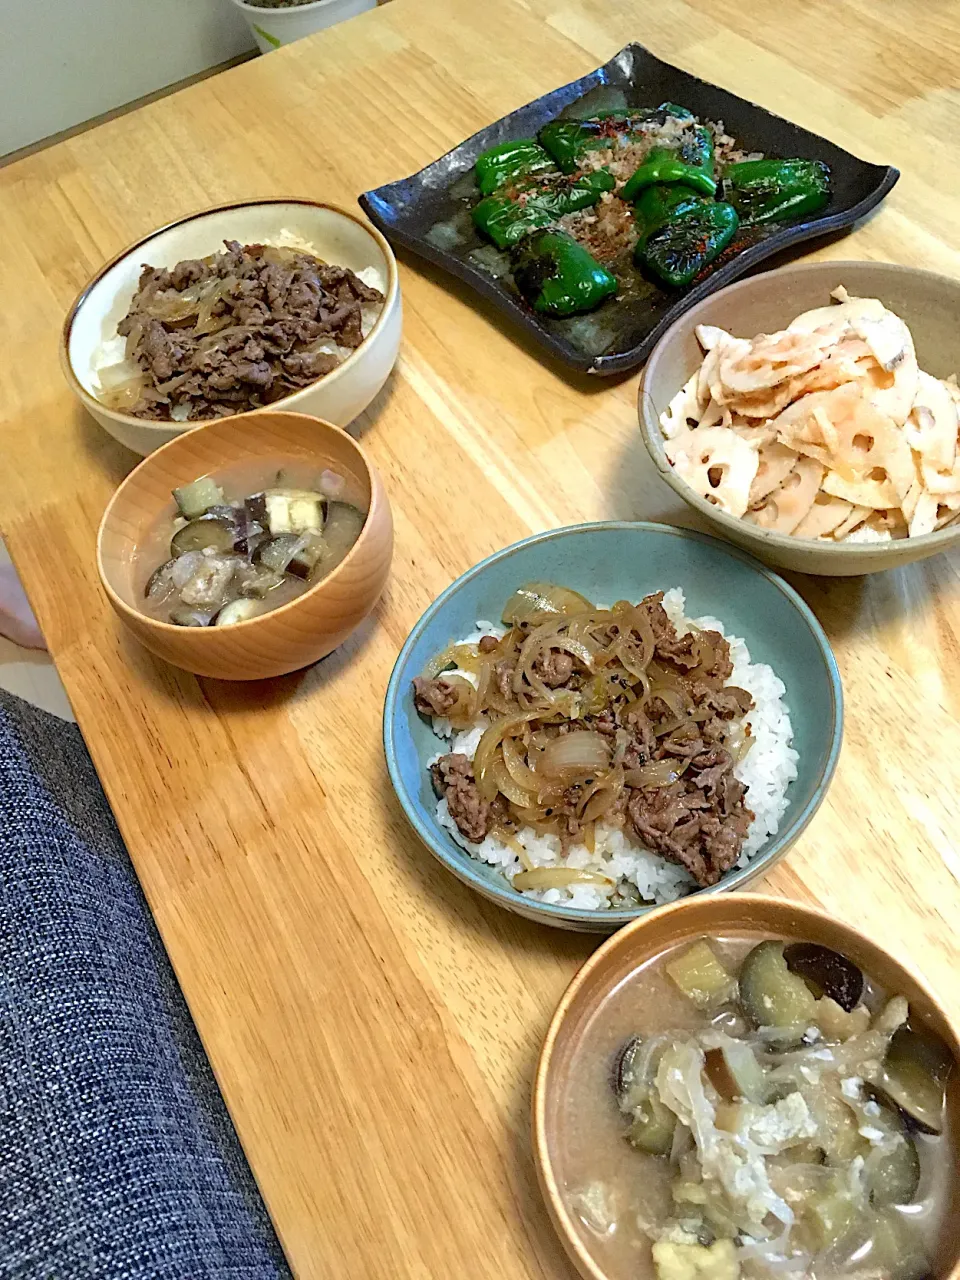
428	213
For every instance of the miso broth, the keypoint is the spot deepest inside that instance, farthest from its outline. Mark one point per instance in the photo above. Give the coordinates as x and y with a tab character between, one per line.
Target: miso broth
869	1193
243	542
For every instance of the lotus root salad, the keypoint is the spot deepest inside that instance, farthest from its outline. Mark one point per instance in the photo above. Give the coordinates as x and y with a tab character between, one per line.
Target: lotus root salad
606	757
752	1107
827	430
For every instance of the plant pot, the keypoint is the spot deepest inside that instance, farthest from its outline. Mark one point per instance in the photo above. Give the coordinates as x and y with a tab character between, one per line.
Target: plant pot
275	27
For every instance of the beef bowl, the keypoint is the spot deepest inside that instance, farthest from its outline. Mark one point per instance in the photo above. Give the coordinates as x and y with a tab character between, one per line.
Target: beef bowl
608	717
283	304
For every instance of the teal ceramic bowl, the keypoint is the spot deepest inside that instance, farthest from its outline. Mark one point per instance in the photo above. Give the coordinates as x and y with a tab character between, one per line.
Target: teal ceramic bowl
608	562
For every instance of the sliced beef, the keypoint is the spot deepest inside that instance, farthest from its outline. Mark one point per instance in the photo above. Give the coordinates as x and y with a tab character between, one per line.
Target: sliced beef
663	629
655	813
643	741
453	780
720	667
554	668
726	703
272	312
304	367
699	822
683	652
683	743
503	674
710	767
188	272
433	697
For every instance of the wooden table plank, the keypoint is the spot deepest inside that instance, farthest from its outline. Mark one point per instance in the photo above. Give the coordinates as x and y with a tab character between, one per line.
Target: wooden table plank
373	1024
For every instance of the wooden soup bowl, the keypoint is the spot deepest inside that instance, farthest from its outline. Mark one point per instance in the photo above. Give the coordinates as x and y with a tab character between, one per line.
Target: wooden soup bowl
293	635
643	941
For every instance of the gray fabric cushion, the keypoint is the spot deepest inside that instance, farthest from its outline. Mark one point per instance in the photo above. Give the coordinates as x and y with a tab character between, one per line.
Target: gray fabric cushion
117	1157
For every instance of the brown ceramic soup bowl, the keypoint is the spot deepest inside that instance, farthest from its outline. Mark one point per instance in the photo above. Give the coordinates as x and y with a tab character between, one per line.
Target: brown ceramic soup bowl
559	1103
285	638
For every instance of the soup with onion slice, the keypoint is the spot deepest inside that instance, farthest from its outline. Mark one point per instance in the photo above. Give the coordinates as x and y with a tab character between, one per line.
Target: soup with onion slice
749	1107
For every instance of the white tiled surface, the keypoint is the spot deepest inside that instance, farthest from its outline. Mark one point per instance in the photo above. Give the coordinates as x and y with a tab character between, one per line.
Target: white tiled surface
30	674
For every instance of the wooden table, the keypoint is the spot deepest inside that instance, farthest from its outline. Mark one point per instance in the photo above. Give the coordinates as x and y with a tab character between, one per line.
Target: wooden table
374	1025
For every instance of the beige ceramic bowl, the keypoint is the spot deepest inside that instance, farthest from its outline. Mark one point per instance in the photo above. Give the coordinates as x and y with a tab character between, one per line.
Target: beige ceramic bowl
297	633
336	234
929	304
648	937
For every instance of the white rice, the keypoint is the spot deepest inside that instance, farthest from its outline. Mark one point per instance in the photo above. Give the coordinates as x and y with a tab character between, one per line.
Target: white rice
766	770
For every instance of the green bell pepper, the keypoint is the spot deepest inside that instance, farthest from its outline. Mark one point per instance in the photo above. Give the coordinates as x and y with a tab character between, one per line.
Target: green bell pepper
568	140
690	163
658	205
507	218
686	243
510	161
775	190
559	277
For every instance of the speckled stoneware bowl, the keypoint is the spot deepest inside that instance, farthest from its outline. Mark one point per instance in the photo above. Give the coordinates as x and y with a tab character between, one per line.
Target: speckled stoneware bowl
927	302
608	562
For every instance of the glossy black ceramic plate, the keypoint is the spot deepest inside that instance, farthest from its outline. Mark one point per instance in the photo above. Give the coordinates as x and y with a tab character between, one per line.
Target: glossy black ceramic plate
428	213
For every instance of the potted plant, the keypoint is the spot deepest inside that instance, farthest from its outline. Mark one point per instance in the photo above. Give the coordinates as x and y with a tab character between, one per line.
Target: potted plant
277	22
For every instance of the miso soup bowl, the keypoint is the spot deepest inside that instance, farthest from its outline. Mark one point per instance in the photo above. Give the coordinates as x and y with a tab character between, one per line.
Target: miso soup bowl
336	235
636	947
291	636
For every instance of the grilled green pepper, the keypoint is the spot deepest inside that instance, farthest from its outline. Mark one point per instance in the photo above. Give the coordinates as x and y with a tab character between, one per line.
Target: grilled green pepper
658	205
568	140
774	190
506	221
510	161
506	217
690	163
686	243
557	276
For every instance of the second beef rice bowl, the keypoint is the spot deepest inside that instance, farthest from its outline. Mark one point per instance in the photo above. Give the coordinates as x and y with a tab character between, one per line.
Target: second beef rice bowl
235	331
607	757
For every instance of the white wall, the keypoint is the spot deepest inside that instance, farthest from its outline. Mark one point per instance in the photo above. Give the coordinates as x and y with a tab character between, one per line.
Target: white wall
63	61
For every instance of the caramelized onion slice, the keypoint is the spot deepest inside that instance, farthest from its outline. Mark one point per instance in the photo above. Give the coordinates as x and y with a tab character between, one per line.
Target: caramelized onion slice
487	750
575	755
505	783
440	662
123	396
661	773
542	598
557	878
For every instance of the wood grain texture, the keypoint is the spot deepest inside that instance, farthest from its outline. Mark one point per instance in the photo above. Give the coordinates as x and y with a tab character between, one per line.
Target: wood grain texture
374	1026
